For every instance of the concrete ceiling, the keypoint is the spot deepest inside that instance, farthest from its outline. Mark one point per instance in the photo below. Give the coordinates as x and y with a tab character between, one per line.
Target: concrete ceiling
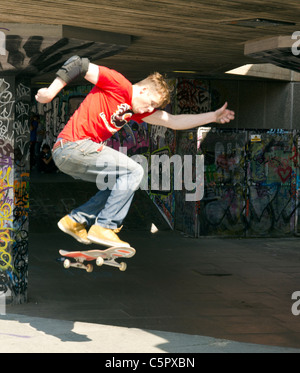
170	36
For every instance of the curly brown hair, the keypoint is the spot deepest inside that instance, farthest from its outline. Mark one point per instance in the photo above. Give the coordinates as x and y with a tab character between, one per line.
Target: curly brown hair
156	82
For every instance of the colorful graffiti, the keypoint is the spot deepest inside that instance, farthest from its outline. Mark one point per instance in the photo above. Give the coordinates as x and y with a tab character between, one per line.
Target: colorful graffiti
6	216
14	188
250	186
6	182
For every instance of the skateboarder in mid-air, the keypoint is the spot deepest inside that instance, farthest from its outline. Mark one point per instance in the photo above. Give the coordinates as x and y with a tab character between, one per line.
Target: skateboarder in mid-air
79	150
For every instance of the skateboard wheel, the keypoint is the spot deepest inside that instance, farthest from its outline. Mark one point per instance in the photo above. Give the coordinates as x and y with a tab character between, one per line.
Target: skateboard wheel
67	263
99	261
89	268
123	266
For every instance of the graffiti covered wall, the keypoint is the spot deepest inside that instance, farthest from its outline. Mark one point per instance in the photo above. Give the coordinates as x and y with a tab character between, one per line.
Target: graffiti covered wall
250	183
15	101
6	183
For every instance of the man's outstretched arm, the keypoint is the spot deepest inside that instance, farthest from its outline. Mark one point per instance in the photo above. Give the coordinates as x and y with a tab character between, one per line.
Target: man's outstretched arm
72	69
187	121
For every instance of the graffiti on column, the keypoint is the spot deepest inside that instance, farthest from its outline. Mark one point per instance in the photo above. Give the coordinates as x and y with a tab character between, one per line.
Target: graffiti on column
14	184
21	191
6	184
21	127
6	111
6	205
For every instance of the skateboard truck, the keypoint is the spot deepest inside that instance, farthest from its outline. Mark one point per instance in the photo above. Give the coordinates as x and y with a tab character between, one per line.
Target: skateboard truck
99	261
102	257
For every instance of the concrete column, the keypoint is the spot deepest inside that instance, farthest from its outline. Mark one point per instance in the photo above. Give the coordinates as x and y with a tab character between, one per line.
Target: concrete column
15	102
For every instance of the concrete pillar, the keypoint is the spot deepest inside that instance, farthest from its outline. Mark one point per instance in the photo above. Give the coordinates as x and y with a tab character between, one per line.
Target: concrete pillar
15	102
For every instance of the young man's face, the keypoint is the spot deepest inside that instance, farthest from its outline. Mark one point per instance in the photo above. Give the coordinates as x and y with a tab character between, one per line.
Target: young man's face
144	102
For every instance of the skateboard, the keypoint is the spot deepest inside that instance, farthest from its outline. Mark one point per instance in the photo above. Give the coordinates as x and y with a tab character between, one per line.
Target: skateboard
107	257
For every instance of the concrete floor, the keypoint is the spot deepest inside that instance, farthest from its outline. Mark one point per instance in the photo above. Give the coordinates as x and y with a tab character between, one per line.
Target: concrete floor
233	290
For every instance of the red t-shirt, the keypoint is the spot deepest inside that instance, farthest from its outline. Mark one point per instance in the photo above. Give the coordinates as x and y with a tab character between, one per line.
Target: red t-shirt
104	111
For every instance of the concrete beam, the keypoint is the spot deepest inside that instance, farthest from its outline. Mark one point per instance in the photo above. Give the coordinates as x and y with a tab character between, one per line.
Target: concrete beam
38	49
281	51
267	71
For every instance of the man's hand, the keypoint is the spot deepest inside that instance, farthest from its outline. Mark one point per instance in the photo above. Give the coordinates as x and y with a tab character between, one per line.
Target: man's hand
43	96
224	115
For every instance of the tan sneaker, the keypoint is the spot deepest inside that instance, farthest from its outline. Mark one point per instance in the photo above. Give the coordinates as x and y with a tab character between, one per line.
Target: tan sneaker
105	236
74	229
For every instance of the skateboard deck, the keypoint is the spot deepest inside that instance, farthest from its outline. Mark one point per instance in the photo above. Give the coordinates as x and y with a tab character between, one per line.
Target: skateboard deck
107	257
